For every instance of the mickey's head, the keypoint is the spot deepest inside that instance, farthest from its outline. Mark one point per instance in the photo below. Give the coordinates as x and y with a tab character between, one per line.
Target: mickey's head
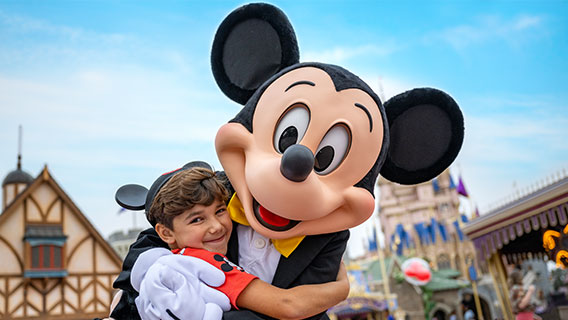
305	151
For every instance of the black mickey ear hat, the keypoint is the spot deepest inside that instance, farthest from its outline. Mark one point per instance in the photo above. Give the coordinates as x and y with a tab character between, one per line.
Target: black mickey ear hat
137	197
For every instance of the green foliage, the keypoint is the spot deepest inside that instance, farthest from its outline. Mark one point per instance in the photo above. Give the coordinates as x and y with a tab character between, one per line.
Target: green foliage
428	302
398	276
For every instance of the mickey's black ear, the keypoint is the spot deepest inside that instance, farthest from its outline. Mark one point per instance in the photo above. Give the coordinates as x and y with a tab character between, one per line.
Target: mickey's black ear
253	43
131	196
426	134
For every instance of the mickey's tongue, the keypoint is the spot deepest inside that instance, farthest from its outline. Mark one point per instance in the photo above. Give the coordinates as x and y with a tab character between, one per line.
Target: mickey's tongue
271	218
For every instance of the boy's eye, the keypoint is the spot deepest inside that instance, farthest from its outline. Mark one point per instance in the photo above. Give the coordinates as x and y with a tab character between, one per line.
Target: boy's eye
221	211
196	220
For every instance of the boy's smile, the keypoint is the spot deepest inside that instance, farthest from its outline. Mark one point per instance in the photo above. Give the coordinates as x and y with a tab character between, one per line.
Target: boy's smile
203	227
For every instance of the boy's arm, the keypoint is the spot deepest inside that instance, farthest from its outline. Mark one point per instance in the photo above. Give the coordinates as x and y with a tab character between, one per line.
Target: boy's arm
298	302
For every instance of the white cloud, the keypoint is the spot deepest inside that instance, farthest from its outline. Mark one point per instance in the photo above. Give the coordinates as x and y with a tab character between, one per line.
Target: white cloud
111	110
509	148
339	55
526	22
488	28
387	86
43	44
28	25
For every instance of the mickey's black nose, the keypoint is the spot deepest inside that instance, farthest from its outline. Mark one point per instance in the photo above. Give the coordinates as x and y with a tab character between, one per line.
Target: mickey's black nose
297	163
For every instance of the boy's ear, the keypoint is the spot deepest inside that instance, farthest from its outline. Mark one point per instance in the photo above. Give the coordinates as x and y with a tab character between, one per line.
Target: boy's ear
165	233
426	133
253	43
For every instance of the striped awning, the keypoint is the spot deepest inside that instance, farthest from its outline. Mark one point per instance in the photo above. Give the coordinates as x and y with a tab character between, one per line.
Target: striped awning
495	240
543	209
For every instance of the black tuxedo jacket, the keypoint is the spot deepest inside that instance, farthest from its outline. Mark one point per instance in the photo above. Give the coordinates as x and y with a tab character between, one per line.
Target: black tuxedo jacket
316	260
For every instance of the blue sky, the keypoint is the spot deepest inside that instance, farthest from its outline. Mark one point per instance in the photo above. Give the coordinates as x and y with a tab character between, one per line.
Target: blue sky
116	92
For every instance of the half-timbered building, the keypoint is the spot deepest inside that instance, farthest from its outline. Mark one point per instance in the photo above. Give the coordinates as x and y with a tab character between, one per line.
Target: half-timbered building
53	262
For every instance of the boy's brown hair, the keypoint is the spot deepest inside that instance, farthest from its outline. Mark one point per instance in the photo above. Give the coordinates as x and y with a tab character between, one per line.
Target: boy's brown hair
187	188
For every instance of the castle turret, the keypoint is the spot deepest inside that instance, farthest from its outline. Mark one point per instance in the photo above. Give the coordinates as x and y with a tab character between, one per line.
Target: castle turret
15	182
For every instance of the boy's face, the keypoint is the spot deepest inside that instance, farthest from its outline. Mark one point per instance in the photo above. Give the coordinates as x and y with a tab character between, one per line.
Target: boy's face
203	227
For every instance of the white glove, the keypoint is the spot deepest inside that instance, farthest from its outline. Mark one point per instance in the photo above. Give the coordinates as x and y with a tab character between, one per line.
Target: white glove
143	263
176	287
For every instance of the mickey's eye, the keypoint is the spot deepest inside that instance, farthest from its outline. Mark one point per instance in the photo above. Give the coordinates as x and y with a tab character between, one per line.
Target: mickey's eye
291	127
332	149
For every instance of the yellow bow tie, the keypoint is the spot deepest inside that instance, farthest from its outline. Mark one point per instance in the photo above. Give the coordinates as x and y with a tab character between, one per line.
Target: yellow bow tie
284	246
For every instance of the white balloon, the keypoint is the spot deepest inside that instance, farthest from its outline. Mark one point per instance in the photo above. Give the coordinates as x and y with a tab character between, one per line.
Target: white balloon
416	271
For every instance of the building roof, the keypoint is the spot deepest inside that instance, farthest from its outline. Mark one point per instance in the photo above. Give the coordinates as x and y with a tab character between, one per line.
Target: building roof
45	177
440	281
18	176
541	209
39	231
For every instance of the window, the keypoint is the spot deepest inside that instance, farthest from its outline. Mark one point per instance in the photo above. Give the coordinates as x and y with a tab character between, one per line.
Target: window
45	254
46	257
443	261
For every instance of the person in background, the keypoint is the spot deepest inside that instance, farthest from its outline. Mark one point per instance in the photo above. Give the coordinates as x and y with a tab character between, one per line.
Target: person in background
468	314
453	316
521	298
541	305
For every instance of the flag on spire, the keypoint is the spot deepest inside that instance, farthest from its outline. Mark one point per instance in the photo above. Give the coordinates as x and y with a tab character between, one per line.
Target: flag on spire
476	212
461	188
435	185
452	184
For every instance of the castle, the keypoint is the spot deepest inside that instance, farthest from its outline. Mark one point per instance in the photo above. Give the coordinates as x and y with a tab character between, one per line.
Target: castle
424	220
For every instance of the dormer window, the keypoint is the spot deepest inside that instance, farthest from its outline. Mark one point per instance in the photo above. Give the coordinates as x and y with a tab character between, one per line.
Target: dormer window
44	251
46	256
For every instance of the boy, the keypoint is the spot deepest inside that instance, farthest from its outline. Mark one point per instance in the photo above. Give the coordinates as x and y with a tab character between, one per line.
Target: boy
190	215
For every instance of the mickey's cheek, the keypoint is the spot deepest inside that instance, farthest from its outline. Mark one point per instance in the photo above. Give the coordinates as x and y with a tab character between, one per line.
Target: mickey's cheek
232	137
231	143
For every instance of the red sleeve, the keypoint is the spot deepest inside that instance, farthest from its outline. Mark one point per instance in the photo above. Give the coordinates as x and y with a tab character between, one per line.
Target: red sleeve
237	279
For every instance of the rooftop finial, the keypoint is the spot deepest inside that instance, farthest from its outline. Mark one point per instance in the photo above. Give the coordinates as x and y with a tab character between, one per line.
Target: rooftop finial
20	147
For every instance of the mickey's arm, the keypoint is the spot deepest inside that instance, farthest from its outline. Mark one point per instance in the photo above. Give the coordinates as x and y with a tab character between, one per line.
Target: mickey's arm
323	268
325	265
294	303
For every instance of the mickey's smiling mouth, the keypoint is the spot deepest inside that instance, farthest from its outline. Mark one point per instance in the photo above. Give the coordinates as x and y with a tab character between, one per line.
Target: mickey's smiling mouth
270	220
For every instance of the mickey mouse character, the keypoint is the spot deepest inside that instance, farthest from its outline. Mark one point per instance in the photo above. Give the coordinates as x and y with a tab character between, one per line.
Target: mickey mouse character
304	153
